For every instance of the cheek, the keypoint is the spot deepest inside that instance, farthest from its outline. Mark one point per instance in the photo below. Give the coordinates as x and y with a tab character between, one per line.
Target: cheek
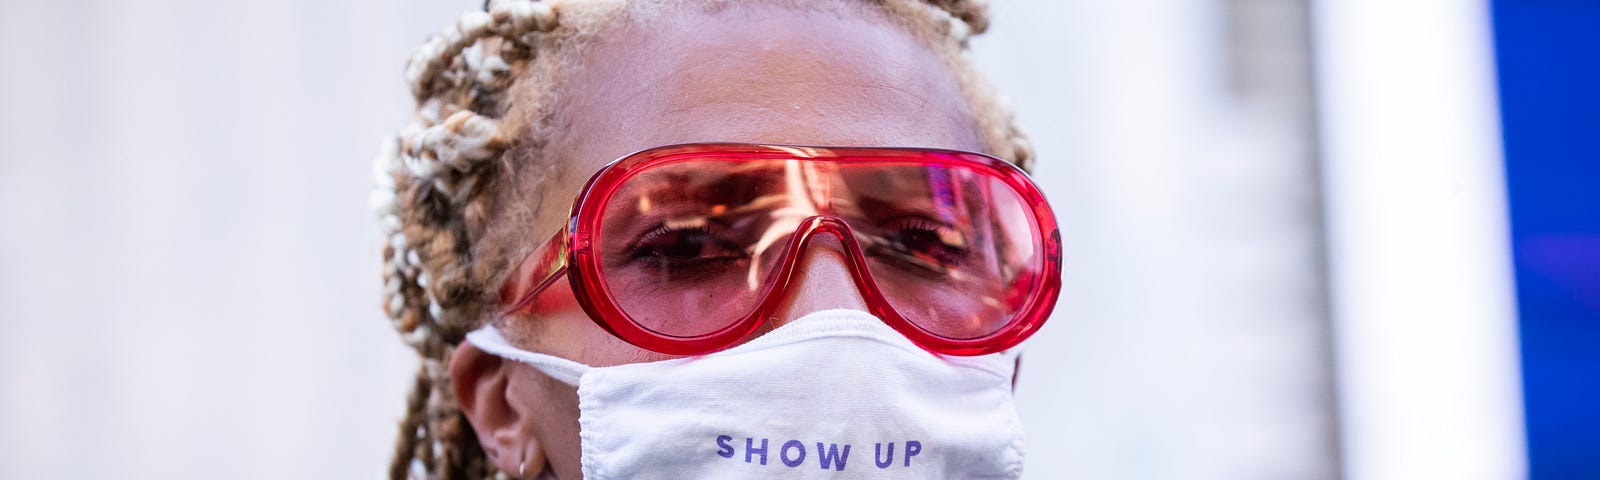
557	325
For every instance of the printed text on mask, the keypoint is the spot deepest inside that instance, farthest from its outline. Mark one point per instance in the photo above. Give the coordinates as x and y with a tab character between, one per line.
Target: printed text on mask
829	455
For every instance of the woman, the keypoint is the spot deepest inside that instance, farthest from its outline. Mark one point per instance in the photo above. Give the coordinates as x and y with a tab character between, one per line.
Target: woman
721	303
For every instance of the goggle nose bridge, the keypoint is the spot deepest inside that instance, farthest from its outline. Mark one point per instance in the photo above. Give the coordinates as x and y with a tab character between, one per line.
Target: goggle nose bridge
794	253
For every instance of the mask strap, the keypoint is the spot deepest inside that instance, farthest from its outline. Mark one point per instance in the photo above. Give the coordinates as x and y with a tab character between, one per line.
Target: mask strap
488	339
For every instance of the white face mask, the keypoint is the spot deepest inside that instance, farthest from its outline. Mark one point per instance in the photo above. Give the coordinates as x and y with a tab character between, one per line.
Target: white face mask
834	394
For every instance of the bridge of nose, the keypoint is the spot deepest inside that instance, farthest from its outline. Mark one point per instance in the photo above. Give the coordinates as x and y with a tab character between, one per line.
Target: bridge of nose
822	279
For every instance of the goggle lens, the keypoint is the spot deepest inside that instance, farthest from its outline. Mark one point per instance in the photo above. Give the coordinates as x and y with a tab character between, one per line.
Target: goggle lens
688	247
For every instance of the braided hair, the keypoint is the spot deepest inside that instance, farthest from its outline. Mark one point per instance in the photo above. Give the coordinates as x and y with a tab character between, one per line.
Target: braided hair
483	92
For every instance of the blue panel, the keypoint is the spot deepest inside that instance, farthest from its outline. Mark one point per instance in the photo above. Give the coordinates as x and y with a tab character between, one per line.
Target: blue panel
1548	57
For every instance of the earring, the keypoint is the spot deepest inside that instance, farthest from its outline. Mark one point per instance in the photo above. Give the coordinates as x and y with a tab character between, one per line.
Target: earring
522	469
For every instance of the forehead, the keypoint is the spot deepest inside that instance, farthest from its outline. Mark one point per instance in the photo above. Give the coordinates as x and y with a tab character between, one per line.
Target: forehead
757	74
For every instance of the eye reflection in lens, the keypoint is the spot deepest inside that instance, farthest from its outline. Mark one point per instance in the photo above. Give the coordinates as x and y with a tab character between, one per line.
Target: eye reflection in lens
931	244
684	244
681	248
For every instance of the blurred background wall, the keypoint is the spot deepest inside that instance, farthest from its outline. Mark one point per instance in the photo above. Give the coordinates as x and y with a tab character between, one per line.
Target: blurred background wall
1176	139
1282	259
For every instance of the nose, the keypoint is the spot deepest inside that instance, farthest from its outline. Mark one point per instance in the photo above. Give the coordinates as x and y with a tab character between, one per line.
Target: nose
822	281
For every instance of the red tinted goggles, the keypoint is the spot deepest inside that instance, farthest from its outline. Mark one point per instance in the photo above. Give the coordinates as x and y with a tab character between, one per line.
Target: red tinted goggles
689	249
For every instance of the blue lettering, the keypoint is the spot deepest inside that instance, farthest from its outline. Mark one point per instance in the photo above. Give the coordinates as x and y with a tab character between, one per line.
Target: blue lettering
783	454
877	455
749	448
725	450
913	448
832	455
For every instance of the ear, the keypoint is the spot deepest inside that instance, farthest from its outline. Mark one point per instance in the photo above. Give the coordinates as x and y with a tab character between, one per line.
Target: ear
480	381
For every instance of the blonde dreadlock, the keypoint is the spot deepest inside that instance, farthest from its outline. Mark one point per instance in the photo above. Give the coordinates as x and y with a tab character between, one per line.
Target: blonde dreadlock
438	179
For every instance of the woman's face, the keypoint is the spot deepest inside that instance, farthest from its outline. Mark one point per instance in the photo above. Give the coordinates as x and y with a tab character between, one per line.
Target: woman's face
744	74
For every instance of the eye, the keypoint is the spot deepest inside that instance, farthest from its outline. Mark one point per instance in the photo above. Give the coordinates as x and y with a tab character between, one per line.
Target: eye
930	245
676	247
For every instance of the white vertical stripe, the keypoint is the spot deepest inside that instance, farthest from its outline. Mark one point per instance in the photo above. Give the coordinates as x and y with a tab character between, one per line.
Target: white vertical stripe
1423	295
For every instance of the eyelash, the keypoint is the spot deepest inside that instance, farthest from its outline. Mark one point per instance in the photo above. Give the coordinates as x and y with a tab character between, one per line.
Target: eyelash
650	254
894	246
